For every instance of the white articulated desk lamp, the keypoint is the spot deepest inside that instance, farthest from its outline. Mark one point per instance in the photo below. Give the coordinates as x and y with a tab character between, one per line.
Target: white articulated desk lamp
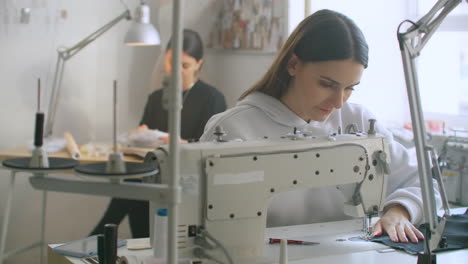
411	42
141	33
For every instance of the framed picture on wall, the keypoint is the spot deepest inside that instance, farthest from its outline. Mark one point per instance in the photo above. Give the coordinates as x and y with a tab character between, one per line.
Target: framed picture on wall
249	25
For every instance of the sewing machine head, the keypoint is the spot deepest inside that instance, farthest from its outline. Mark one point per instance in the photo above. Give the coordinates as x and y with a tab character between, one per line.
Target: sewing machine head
227	186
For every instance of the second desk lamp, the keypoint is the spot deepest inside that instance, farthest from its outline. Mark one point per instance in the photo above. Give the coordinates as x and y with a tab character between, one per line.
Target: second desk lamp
141	33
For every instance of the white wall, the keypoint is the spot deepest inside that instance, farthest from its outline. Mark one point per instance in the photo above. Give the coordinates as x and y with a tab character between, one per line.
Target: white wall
233	73
28	52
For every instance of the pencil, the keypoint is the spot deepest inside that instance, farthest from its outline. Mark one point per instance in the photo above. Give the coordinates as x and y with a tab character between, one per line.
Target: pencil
290	241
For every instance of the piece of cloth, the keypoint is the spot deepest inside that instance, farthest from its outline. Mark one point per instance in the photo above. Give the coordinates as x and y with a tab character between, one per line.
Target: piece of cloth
455	234
200	103
260	115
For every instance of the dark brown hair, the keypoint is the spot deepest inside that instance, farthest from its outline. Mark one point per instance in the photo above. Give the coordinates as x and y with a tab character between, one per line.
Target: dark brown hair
323	36
192	44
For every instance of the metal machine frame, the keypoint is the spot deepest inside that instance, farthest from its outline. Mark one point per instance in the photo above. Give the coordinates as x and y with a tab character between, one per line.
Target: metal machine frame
411	43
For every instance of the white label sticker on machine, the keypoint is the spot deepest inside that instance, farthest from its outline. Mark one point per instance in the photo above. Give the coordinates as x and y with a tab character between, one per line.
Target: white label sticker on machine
238	178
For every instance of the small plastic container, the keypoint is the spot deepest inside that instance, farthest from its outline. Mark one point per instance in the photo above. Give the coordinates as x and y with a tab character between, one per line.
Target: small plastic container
160	234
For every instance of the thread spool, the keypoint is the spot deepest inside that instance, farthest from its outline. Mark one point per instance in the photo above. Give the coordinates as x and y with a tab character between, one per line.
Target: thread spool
39	130
283	258
110	243
160	234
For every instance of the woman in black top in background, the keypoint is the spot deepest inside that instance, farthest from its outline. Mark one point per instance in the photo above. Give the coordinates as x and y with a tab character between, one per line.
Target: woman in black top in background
200	102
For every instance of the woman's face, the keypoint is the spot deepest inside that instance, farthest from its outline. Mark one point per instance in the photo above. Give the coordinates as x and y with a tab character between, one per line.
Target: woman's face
190	67
318	88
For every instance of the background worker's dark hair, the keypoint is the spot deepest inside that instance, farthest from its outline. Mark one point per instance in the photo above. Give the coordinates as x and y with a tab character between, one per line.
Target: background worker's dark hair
192	44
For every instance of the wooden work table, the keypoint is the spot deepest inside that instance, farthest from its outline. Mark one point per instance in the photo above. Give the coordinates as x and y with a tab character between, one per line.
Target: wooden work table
22	152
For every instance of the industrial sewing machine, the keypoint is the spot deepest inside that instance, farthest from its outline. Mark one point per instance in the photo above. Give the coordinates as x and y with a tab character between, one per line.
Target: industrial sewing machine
227	186
453	161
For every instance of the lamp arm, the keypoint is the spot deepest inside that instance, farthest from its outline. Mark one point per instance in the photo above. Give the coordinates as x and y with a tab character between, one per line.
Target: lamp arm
426	26
63	55
411	43
70	52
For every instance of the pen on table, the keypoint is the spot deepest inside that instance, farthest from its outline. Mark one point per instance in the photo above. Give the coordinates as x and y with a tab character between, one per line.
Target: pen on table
294	242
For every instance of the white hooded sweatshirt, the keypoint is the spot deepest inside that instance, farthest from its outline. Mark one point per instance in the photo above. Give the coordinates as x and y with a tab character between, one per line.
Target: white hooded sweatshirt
260	115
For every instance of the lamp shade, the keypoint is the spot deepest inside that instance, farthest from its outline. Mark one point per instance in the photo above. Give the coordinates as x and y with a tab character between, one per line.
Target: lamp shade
142	32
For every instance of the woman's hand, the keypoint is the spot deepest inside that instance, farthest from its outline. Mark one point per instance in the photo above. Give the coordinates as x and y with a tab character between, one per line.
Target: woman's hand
139	129
395	222
166	140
